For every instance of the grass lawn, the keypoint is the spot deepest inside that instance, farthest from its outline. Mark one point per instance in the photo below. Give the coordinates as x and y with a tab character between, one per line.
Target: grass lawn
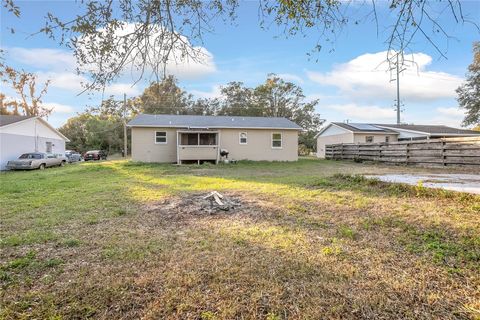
311	241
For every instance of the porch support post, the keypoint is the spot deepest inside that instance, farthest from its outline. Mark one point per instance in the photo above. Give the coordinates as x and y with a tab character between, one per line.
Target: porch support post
178	148
218	147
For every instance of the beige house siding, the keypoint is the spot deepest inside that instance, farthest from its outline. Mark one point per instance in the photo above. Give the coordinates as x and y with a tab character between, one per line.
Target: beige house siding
360	137
145	149
322	141
258	147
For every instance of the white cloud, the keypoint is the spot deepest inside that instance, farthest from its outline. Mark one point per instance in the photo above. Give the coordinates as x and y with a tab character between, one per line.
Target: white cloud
59	65
448	116
321	97
43	58
189	69
59	108
367	113
63	80
290	77
181	63
214	93
455	112
72	82
366	77
121	88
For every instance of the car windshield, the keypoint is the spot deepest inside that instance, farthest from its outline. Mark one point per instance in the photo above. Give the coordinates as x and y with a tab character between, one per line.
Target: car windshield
31	156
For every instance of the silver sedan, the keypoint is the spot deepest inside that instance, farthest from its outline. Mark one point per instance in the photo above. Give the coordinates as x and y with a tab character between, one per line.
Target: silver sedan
36	160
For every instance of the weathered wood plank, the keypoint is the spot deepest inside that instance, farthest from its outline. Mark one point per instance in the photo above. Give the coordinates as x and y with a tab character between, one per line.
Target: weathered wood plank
439	152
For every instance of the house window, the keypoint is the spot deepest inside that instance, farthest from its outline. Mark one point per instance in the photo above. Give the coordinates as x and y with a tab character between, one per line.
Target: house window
369	139
276	140
243	138
189	139
160	137
198	139
387	139
208	139
48	147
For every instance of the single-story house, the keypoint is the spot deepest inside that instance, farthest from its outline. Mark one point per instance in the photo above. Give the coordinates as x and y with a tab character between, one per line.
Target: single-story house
338	132
22	134
189	138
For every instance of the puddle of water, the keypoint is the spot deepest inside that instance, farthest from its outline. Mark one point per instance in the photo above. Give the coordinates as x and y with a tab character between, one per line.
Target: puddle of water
456	182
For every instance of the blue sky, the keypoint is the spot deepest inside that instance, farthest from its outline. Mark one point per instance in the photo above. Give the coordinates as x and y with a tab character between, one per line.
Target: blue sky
345	77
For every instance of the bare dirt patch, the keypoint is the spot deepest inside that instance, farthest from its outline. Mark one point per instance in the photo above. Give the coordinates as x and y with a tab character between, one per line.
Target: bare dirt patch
192	206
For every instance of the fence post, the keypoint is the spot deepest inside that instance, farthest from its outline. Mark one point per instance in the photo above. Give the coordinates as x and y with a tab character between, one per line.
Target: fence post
444	157
407	153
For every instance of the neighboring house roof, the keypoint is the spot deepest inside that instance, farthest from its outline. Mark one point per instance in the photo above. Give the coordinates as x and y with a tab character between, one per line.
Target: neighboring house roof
6	120
188	121
362	127
430	129
359	128
9	119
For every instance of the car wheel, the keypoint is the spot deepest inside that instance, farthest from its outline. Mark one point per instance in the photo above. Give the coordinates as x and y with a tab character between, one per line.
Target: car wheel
62	164
42	166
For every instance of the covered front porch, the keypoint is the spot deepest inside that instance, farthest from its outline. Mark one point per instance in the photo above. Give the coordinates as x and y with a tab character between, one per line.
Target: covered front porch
197	146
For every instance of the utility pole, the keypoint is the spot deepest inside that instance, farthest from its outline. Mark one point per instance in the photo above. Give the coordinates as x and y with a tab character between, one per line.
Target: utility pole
398	70
125	125
398	91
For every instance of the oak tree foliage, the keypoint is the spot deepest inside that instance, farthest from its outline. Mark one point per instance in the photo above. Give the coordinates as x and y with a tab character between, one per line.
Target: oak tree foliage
28	93
99	127
469	92
164	97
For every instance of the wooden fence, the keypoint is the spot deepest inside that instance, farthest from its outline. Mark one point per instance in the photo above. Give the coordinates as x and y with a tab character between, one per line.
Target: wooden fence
434	152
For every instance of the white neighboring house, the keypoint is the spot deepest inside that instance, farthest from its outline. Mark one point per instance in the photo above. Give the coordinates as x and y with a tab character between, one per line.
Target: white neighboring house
22	134
338	132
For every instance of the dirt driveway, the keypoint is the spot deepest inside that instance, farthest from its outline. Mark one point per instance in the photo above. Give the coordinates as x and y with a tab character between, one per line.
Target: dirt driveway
449	181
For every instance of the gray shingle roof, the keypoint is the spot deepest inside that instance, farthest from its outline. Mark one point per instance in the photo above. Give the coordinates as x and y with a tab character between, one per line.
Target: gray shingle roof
8	119
187	121
431	129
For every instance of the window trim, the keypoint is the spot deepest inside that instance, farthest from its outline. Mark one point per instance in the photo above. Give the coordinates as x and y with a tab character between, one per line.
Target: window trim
387	139
155	137
240	137
281	140
366	138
